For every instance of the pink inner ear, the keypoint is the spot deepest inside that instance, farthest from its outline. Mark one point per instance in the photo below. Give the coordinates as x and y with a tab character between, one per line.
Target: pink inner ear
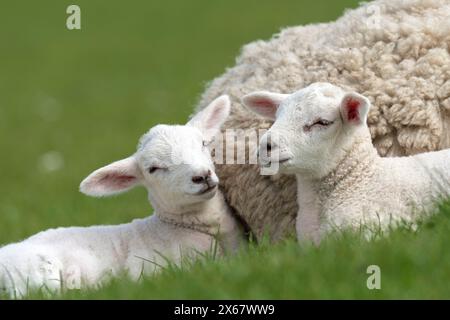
261	102
352	106
264	106
214	118
117	181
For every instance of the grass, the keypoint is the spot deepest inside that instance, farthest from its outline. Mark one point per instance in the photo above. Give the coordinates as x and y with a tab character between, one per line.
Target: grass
72	101
413	263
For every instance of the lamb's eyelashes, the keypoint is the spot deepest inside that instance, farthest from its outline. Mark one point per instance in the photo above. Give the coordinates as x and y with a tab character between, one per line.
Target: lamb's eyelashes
319	123
323	123
153	169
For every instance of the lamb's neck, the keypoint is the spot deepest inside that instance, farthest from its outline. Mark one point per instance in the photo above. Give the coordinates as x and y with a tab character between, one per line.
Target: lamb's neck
309	214
212	217
358	162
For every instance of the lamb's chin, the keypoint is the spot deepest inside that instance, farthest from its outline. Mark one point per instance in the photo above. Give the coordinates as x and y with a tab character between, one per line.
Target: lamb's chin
208	195
202	196
287	168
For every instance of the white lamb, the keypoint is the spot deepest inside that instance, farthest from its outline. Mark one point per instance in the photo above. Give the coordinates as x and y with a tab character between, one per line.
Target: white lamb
320	134
174	164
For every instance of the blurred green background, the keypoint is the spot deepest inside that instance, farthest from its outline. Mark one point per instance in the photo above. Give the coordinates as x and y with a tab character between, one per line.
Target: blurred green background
72	101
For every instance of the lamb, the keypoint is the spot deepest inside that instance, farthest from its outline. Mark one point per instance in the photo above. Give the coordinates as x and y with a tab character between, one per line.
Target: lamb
394	52
190	216
321	135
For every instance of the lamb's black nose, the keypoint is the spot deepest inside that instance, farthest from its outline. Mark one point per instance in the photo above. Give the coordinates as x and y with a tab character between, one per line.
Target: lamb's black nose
198	179
202	179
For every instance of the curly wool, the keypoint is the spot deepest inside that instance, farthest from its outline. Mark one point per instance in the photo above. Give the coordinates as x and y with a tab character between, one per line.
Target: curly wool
395	52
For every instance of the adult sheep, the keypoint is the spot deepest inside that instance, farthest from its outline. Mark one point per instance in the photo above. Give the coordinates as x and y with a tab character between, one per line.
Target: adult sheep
395	52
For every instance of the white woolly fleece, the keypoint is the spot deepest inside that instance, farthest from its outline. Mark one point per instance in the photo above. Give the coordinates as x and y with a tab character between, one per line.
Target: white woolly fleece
395	52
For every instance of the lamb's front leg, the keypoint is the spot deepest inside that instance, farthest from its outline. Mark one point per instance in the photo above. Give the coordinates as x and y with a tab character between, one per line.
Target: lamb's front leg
308	224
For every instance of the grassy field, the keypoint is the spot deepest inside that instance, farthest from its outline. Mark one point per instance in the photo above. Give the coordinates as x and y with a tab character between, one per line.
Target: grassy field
72	101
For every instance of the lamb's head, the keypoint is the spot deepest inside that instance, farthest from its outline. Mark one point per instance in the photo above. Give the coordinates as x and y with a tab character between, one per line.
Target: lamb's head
313	127
172	161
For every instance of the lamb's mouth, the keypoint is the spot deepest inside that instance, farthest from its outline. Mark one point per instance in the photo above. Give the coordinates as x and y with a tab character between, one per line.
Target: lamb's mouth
284	160
207	190
279	162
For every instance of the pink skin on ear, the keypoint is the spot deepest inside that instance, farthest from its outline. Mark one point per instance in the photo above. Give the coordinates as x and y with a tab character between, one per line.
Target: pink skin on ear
217	117
264	103
209	120
117	181
354	108
263	106
115	178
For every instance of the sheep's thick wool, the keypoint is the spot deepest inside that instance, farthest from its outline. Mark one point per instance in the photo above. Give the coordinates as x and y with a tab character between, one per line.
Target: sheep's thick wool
395	52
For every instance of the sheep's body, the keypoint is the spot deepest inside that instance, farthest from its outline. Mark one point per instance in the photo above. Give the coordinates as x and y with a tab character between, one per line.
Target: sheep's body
396	52
73	258
370	193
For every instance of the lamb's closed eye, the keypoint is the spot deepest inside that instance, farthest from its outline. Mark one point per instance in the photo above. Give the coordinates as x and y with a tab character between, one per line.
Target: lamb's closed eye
153	169
320	123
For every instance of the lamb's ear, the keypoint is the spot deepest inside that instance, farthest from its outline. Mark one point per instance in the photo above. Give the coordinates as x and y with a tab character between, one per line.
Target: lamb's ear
354	108
264	103
117	177
210	119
